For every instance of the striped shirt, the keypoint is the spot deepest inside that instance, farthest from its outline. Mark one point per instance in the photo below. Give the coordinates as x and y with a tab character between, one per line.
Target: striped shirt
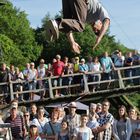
17	126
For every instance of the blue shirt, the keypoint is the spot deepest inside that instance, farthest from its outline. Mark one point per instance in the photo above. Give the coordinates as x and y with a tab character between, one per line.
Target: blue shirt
83	67
107	63
55	126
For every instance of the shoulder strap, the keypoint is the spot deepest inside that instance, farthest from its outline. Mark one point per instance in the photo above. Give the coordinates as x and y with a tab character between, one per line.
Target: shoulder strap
40	124
83	67
51	128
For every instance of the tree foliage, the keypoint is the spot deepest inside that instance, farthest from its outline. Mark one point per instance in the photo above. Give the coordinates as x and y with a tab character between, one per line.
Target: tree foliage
16	30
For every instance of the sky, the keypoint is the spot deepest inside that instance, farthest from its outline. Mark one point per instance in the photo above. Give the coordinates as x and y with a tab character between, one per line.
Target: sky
125	17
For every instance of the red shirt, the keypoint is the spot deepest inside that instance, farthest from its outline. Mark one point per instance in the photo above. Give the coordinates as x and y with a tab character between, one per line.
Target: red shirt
58	68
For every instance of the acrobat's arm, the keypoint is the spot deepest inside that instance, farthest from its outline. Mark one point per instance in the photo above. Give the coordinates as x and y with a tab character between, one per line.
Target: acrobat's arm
104	28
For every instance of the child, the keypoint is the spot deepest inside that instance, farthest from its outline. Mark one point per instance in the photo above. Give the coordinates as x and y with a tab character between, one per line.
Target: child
83	132
64	133
34	134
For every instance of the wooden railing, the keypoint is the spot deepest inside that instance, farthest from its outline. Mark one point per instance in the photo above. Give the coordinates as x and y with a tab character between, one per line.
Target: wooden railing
119	83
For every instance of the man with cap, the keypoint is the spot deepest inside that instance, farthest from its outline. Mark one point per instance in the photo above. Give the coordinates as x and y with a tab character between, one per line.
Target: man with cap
83	68
13	103
72	118
17	123
58	70
75	14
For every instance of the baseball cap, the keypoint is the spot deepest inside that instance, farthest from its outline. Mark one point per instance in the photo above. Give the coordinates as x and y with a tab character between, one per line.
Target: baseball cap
13	106
33	124
76	58
82	60
58	56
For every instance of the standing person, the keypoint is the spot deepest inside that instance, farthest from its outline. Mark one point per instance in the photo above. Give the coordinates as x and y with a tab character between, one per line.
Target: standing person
61	114
135	124
128	72
105	120
136	71
40	121
92	122
17	124
64	132
27	121
52	127
119	59
4	77
122	126
34	134
98	108
76	78
33	112
75	14
83	132
108	66
26	72
12	77
41	70
96	77
32	79
19	86
13	103
83	68
58	70
67	70
92	116
73	118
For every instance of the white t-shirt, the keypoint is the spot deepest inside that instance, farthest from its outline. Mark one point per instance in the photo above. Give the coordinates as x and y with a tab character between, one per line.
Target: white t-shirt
83	133
119	61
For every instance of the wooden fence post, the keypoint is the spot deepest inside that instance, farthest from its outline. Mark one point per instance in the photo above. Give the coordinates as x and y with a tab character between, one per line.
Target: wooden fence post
121	83
50	88
85	83
11	90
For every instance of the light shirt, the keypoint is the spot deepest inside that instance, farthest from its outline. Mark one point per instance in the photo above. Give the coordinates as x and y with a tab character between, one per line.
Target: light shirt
107	63
83	133
40	124
96	11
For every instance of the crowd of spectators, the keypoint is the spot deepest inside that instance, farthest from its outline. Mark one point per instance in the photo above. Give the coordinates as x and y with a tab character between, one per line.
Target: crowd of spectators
33	75
59	123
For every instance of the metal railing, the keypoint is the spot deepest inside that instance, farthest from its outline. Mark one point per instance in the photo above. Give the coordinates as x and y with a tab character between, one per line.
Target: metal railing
119	82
